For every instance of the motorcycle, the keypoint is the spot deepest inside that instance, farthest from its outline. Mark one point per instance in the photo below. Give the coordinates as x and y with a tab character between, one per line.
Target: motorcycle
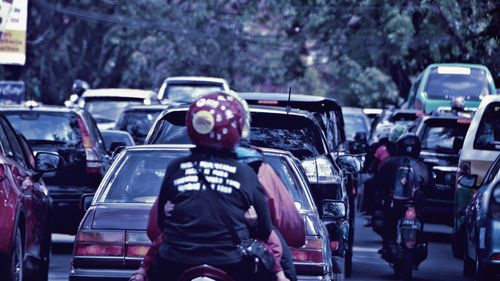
204	272
406	253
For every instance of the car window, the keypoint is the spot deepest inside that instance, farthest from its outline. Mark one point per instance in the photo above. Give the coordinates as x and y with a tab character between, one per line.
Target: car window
440	135
138	123
106	109
297	134
7	149
488	132
139	176
354	123
450	82
290	180
14	144
187	93
27	151
47	127
492	172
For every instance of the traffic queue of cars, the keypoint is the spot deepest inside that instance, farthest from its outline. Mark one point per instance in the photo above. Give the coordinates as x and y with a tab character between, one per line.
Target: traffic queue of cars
80	178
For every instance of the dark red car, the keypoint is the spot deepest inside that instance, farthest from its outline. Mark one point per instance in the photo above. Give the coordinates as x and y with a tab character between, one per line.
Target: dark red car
24	207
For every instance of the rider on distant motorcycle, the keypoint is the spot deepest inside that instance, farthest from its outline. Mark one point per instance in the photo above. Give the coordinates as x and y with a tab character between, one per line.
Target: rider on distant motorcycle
401	178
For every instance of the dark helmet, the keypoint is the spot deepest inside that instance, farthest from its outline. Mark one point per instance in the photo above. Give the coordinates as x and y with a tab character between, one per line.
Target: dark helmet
79	86
215	120
458	104
408	144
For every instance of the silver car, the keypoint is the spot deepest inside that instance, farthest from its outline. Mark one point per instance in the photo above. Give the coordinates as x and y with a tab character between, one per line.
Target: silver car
482	224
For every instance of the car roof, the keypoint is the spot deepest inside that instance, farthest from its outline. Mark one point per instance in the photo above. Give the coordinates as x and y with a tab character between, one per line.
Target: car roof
188	79
41	108
458	65
353	110
119	92
156	107
149	147
253	108
304	102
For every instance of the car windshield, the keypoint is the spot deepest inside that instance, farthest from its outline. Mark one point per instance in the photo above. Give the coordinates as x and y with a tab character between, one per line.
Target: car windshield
292	183
138	123
187	93
286	132
450	82
488	132
138	178
354	123
47	127
440	135
105	110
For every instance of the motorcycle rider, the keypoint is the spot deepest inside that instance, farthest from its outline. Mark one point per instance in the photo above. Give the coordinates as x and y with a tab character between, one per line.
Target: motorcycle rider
201	116
397	189
288	223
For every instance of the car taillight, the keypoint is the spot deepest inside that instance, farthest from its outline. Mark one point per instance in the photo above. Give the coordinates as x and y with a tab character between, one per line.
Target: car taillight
410	213
99	243
311	252
494	208
137	244
321	170
93	160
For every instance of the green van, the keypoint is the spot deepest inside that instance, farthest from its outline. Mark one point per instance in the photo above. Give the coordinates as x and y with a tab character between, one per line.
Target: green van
439	84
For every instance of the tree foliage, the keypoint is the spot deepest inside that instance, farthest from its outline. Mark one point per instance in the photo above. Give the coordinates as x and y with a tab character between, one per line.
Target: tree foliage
362	53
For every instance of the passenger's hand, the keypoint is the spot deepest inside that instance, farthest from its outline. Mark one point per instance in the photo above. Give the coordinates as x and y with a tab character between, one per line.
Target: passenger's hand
251	216
139	275
169	207
280	276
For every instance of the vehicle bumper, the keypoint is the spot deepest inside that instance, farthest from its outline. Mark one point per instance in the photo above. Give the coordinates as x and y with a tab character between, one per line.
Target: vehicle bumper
439	211
314	278
66	214
489	244
80	274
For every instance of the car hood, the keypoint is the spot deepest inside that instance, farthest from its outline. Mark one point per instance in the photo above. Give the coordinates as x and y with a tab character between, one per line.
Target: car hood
121	216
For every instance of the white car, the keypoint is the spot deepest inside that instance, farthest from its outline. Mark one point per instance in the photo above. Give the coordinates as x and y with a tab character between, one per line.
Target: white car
106	105
184	89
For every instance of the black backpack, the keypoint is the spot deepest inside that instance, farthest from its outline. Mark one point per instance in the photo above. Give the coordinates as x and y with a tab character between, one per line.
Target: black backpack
405	182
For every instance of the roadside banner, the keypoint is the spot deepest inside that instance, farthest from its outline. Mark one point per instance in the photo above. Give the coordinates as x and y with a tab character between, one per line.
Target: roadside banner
13	24
11	92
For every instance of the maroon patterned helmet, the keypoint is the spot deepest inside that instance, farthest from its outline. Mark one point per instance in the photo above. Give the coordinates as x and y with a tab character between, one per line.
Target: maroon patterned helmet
215	120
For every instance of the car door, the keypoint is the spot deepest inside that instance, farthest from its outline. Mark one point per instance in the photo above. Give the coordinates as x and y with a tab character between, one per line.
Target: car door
21	178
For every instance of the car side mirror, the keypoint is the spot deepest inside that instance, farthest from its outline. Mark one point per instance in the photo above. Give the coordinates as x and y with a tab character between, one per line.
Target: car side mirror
458	142
333	209
46	161
86	201
468	181
349	164
116	144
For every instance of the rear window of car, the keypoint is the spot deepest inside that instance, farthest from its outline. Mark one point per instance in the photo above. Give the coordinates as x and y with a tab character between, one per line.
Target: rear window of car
188	92
488	131
108	109
138	123
354	123
292	133
47	127
291	181
138	177
450	82
439	135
